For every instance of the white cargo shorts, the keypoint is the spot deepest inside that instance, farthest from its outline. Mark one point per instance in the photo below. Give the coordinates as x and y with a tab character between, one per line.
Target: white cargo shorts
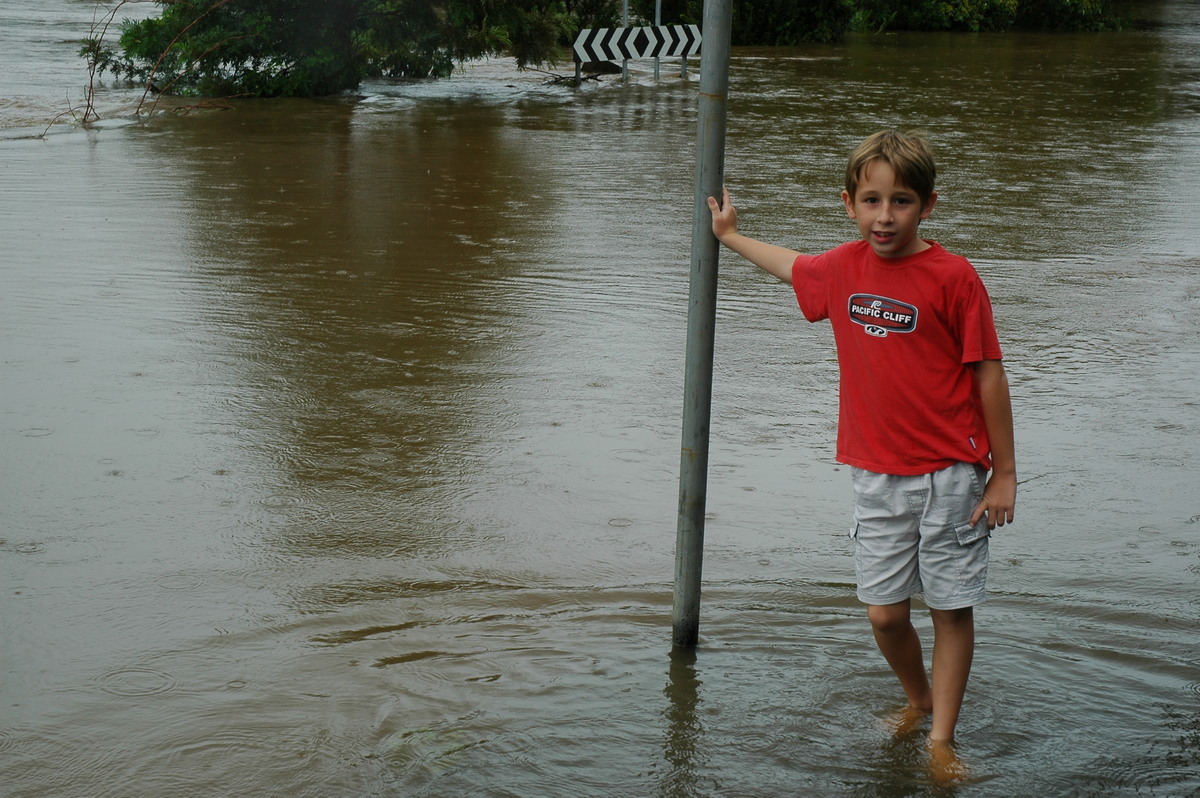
912	535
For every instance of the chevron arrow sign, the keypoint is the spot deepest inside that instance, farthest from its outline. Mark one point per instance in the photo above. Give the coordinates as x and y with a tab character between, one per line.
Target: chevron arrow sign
613	44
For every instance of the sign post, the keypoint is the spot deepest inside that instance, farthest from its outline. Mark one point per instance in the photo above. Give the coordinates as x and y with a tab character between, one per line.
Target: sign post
657	23
702	311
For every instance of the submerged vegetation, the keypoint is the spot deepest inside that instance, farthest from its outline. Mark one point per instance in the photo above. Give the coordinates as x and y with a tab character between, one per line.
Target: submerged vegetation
786	22
307	48
268	48
986	15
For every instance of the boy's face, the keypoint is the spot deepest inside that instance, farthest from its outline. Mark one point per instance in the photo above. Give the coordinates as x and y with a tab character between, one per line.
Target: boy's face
888	212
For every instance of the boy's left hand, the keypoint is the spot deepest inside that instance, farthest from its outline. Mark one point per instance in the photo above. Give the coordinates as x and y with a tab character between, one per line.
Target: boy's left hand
999	501
724	215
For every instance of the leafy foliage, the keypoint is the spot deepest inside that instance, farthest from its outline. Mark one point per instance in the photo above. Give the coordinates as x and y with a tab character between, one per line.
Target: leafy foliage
307	48
983	15
790	22
763	22
1084	15
962	15
303	48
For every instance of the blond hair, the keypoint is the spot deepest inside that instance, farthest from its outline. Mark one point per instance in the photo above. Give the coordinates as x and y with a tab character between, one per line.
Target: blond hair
909	154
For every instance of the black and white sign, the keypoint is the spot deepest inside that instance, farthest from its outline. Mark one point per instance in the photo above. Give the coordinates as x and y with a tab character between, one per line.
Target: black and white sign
617	44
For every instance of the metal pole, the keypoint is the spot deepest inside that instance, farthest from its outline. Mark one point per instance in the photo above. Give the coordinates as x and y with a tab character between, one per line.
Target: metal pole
702	312
625	24
657	23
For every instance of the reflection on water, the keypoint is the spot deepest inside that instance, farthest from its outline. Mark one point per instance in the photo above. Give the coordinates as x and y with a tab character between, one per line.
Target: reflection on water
339	437
683	735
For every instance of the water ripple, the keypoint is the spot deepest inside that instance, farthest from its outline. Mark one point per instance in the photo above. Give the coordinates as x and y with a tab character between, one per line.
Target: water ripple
136	681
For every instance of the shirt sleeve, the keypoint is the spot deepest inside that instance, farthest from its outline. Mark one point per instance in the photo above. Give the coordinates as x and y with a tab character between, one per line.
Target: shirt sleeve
810	281
977	325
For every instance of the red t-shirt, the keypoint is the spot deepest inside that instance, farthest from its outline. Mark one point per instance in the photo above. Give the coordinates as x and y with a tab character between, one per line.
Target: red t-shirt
906	330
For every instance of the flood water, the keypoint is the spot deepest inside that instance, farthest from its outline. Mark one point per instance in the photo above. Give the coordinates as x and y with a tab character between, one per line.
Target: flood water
340	438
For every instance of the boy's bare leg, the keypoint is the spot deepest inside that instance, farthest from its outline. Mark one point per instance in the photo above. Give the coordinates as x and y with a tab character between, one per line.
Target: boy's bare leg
953	649
901	647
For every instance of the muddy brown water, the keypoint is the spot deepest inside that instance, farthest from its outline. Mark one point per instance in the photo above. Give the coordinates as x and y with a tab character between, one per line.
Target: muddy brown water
339	439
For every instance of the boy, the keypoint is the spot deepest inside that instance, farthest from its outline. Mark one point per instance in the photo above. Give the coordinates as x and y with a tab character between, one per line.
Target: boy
924	412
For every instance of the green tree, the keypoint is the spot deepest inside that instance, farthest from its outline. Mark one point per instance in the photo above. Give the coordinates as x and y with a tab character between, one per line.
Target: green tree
984	15
763	22
308	48
1079	15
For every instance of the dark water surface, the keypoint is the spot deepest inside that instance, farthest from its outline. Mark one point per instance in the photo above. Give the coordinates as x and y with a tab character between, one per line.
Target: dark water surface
339	439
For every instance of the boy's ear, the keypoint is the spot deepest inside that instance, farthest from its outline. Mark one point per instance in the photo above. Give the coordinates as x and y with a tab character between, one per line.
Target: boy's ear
846	198
928	209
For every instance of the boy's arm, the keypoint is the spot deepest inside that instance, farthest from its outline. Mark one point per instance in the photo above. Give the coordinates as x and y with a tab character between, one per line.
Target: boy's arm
770	258
1000	494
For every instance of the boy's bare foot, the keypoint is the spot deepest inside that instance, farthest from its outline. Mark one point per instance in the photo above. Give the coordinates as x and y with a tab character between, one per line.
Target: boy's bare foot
944	765
906	720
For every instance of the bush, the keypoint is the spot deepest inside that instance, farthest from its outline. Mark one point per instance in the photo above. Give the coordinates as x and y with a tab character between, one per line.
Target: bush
762	22
983	15
1069	15
306	48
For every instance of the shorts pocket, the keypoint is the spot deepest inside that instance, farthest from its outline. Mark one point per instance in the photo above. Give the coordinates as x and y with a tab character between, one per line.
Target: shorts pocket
968	534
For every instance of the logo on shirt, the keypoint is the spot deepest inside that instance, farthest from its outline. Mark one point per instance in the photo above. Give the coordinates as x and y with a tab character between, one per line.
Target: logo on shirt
880	315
